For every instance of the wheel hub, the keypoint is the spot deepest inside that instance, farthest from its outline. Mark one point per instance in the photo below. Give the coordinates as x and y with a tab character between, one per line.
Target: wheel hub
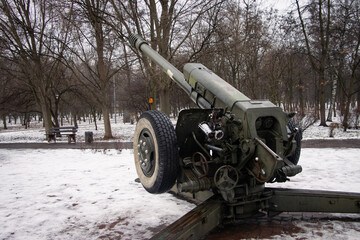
146	152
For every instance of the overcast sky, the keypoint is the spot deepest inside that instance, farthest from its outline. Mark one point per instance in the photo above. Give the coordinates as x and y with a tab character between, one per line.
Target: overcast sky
281	5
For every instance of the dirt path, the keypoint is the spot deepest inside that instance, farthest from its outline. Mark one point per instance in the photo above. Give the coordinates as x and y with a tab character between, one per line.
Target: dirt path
331	143
312	143
52	145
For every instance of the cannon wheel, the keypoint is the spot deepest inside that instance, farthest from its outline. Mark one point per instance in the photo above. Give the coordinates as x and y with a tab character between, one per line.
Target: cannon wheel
294	158
156	152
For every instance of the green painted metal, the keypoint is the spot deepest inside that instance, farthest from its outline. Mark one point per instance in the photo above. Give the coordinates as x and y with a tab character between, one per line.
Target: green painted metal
177	76
195	224
232	146
231	132
299	200
214	89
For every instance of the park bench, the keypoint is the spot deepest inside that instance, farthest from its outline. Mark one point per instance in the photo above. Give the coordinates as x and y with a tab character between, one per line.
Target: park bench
70	132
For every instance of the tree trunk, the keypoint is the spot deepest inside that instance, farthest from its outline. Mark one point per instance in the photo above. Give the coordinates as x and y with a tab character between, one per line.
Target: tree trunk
75	120
94	117
26	120
4	120
346	114
322	105
107	124
56	113
45	110
333	95
301	99
348	102
61	120
165	101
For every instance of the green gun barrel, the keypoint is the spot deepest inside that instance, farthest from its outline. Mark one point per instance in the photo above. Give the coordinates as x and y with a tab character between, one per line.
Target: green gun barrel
203	86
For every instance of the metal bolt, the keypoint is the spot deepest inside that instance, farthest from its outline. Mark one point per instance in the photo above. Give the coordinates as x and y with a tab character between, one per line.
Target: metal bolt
256	159
141	140
138	145
144	143
146	160
146	151
262	172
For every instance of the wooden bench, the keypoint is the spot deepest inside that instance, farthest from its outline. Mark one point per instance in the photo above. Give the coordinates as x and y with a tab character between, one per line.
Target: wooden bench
70	132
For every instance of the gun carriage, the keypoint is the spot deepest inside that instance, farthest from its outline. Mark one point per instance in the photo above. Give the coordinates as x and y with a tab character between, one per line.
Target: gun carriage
230	145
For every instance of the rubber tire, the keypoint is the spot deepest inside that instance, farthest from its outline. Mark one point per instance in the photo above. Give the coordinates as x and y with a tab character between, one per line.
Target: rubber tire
294	158
166	152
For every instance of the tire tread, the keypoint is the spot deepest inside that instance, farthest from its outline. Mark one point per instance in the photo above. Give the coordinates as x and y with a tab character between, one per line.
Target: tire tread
294	158
168	150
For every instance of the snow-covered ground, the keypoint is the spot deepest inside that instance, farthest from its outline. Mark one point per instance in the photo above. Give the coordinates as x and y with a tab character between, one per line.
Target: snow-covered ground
318	132
36	133
91	194
87	194
78	194
124	132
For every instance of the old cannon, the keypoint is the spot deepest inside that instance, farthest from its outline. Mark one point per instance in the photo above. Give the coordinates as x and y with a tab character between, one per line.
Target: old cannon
230	145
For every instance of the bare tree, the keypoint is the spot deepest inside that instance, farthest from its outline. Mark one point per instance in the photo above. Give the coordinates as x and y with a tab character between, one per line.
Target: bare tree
318	45
346	63
238	47
95	53
30	33
167	23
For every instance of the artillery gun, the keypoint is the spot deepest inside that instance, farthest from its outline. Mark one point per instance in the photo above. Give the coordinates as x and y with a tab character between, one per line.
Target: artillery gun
230	145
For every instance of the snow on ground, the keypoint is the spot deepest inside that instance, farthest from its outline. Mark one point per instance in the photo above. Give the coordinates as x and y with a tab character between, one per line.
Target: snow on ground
87	194
36	133
318	132
78	194
328	169
124	132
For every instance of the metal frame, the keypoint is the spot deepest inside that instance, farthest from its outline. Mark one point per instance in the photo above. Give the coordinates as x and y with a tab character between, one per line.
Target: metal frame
205	217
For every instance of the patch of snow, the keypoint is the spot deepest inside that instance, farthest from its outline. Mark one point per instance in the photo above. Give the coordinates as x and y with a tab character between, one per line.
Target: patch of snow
78	194
334	230
123	132
327	169
319	132
88	194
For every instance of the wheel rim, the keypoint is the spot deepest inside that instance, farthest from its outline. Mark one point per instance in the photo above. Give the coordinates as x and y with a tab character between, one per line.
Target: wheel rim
146	152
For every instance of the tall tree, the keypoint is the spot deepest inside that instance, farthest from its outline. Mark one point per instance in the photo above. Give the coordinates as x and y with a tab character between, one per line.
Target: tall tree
167	23
346	53
95	53
238	47
317	38
35	39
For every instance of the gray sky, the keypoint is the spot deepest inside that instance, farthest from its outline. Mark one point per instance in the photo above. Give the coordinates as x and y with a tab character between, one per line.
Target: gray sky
281	5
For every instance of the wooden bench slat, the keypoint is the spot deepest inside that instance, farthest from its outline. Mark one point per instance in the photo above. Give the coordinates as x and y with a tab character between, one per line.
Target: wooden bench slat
64	131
